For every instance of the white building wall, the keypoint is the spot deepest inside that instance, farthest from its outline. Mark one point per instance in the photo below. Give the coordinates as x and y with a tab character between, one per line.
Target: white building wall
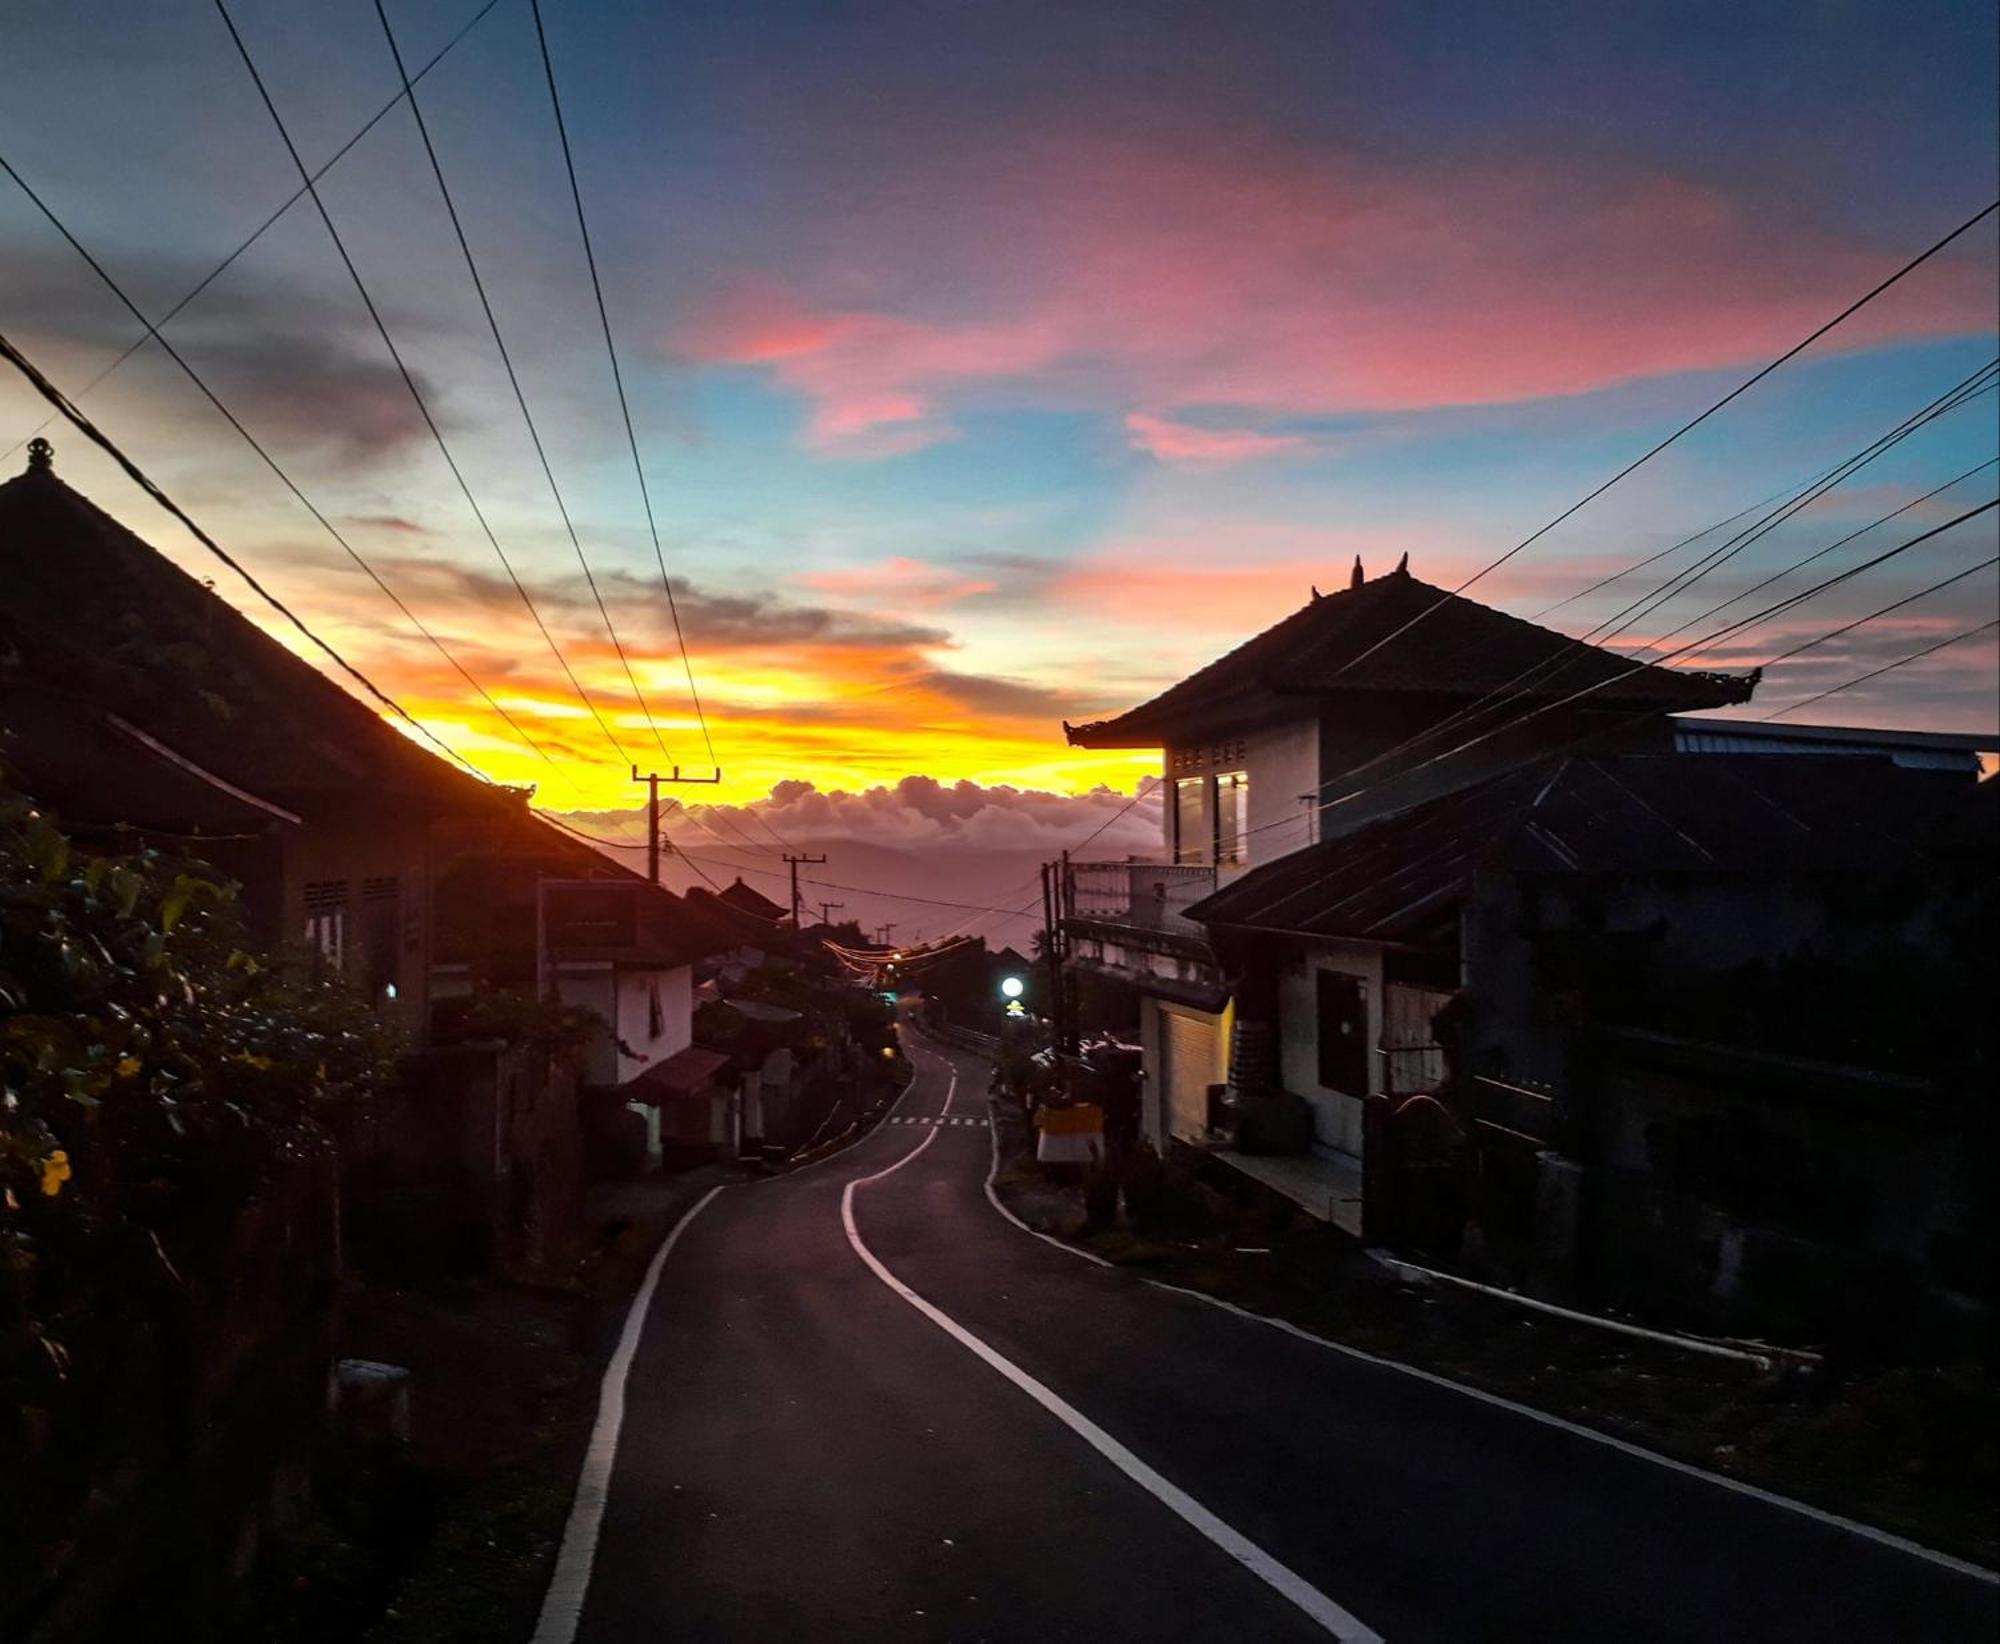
1283	763
593	989
633	1018
1336	1114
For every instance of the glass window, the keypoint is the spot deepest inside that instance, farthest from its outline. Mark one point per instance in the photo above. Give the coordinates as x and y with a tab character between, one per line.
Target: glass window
1232	817
1190	836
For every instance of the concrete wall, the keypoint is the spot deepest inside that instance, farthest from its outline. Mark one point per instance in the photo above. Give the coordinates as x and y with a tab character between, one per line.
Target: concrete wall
1284	765
1282	762
633	1017
594	989
1336	1114
381	857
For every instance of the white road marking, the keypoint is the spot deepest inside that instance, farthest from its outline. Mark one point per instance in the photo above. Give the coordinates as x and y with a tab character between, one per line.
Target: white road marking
1283	1580
562	1605
1820	1515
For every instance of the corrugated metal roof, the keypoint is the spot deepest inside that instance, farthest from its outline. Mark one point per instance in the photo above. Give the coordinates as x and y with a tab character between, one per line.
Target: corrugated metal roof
1396	879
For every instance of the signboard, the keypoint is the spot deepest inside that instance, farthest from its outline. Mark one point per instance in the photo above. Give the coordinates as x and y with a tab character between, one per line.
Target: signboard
590	913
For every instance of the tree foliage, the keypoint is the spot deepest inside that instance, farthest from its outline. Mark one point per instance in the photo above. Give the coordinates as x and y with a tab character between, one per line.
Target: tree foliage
153	1072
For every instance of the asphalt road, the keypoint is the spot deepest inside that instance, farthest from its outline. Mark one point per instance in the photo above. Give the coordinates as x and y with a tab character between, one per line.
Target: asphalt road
915	1420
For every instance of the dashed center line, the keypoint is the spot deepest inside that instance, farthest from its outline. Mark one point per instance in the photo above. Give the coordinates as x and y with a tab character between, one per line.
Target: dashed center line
977	1123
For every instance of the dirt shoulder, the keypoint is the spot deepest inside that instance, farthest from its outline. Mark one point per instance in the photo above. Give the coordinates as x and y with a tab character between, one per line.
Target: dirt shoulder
1914	1450
449	1538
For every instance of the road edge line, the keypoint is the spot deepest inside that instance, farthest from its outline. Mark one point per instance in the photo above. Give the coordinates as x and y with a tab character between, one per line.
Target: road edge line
1283	1580
569	1583
1822	1515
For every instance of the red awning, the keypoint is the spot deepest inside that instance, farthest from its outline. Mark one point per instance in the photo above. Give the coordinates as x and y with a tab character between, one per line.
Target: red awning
685	1073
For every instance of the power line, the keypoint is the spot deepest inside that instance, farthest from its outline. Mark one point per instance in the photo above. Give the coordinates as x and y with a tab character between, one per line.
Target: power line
1896	605
1755	619
625	845
103	441
617	376
257	233
1686	428
410	382
513	378
1889	668
1549	668
153	332
1962	393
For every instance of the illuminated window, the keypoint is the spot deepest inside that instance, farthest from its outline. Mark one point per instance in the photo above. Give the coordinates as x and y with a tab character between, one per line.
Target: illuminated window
1232	817
1190	837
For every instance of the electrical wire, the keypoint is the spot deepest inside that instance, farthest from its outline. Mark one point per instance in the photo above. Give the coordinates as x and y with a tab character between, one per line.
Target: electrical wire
410	382
1755	619
104	442
513	377
257	233
1686	428
153	333
618	376
1877	673
1539	675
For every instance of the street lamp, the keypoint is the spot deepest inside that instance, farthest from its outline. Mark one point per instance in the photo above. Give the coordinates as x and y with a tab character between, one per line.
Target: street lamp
1012	987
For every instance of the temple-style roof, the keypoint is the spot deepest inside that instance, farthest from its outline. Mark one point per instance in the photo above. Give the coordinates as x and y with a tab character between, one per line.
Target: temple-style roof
748	900
1460	649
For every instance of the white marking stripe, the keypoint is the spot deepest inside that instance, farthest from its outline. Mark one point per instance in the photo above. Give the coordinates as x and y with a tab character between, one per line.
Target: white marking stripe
1867	1532
1253	1558
562	1605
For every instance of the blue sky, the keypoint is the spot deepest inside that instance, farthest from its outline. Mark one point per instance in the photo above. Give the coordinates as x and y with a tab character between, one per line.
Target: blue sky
997	364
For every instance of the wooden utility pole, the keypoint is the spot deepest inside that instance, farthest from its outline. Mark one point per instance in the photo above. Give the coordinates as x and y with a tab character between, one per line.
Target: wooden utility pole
794	863
826	911
653	779
883	933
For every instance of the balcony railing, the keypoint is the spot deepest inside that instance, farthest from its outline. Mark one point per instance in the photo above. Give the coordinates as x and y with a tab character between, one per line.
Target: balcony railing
1150	896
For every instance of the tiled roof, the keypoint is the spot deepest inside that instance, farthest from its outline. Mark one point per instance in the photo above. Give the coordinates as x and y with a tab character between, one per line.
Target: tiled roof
92	610
746	899
1399	878
1459	649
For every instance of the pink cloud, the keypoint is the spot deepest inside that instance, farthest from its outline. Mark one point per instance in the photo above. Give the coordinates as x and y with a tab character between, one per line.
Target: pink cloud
1248	278
899	582
1186	442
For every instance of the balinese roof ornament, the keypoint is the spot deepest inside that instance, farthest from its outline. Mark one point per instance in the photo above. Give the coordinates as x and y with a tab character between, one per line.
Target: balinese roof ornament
1403	565
1314	586
41	456
1359	576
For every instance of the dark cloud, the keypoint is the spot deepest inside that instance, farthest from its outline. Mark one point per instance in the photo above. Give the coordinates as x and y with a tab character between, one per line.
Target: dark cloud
301	371
1009	698
712	621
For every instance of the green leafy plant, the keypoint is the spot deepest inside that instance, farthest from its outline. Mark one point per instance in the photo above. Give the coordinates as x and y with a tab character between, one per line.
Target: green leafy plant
153	1071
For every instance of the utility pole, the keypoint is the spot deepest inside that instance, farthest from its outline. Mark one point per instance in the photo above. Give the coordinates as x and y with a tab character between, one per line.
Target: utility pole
794	862
826	911
653	779
1055	896
883	933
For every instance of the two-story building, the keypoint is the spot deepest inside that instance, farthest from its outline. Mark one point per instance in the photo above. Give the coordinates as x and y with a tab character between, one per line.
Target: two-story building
1361	704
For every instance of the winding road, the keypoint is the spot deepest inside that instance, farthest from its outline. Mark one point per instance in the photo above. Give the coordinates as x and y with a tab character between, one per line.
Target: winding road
857	1402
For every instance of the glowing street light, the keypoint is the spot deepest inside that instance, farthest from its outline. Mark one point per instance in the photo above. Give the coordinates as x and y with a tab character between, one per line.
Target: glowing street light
1012	987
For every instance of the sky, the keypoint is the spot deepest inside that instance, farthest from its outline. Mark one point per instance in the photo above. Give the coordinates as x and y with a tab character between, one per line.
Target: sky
996	365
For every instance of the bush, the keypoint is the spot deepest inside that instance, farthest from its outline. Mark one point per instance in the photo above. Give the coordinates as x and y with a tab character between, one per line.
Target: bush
157	1075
